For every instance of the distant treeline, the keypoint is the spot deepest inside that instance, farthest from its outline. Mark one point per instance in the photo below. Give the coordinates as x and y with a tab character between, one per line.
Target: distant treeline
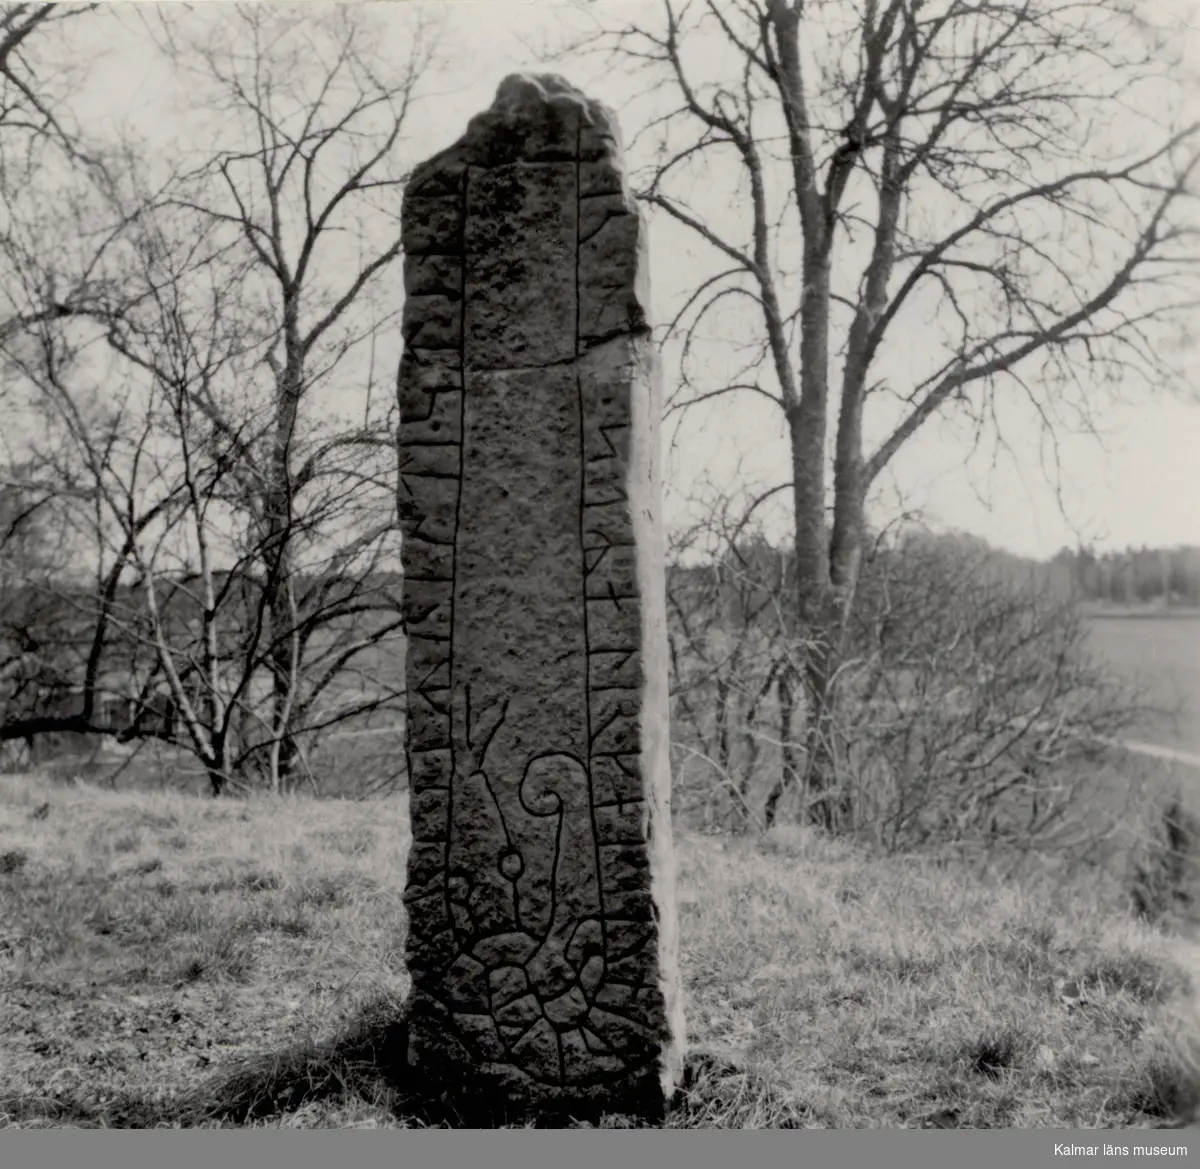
1135	576
1168	576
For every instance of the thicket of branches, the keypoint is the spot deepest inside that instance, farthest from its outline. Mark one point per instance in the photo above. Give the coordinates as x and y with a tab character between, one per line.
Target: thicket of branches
203	369
973	710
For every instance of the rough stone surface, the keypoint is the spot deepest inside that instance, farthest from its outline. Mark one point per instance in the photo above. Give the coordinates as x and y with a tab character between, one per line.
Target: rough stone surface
542	933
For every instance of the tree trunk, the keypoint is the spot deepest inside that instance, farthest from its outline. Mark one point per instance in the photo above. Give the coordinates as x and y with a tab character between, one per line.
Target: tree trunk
281	596
216	782
816	612
787	748
826	806
218	765
284	752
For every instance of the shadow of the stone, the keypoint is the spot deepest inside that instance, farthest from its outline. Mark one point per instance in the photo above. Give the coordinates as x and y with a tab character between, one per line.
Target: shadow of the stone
367	1063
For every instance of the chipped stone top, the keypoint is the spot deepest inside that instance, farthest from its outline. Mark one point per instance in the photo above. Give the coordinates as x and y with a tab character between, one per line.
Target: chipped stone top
520	92
535	118
523	242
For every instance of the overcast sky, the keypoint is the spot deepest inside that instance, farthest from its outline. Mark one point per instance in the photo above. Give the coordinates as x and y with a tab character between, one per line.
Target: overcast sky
1139	485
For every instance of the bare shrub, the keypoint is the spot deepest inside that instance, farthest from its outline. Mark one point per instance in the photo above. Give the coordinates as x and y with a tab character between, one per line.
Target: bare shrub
728	606
972	707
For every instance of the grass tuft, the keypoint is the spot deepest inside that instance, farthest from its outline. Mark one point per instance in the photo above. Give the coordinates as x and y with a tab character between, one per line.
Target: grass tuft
996	1051
13	861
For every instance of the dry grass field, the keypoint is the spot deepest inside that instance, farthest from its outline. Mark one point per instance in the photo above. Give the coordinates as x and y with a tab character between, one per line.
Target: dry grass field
172	961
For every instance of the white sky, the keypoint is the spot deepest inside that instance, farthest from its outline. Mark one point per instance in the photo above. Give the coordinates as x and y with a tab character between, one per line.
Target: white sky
1139	486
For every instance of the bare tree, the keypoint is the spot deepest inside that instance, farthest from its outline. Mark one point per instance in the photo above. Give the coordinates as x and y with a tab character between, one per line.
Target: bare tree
304	179
164	473
230	495
31	108
57	228
988	178
45	273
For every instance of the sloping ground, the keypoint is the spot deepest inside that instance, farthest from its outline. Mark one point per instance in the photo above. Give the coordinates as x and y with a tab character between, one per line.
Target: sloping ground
170	960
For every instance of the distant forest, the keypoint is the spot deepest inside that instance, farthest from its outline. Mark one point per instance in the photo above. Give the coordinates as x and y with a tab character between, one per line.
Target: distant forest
1166	576
1150	577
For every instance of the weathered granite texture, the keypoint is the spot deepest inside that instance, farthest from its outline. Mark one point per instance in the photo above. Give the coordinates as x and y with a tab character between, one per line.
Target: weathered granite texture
542	931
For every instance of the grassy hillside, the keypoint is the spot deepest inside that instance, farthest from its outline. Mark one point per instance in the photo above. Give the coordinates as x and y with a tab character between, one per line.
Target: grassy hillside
170	960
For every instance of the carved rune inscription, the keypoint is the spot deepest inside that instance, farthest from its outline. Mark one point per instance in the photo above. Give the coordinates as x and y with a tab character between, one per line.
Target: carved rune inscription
541	941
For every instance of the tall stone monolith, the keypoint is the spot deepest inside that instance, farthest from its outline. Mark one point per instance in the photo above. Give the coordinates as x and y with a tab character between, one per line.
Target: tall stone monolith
542	930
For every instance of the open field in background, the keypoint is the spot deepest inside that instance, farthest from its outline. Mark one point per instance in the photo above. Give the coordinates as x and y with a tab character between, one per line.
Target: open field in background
154	946
1163	650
